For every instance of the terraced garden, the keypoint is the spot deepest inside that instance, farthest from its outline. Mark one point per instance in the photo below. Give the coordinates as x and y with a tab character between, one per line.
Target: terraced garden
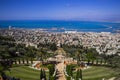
93	73
97	73
25	73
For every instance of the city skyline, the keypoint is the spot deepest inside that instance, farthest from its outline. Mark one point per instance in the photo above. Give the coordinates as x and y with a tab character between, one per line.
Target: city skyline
96	10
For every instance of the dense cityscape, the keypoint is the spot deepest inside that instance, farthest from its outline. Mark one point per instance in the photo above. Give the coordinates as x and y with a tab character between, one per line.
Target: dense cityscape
104	42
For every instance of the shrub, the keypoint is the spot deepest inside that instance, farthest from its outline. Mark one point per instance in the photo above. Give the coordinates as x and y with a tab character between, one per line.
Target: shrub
51	68
68	77
51	78
79	74
69	70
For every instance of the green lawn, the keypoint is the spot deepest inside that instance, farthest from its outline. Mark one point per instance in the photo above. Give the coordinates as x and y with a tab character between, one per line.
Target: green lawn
97	73
93	73
25	73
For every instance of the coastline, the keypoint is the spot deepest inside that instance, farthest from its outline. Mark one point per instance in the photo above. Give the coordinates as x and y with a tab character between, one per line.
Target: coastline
64	31
61	26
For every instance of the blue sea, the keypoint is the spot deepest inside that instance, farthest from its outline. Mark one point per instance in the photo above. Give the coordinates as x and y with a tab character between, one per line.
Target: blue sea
61	26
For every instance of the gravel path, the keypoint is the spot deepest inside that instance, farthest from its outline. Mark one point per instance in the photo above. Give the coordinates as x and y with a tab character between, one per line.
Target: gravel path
60	68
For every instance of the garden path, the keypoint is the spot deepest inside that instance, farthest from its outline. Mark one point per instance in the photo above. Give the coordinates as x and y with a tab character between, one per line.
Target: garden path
60	68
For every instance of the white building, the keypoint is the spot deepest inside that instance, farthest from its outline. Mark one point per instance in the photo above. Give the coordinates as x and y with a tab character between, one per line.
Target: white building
70	31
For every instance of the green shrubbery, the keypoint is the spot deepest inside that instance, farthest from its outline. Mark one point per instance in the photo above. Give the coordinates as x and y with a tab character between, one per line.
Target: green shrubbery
69	70
78	74
52	78
68	78
51	68
42	74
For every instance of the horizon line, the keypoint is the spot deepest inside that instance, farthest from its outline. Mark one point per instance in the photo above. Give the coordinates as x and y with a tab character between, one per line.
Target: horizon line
59	20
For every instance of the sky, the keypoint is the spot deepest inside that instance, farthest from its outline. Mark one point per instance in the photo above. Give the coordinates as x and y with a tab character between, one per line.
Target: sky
106	10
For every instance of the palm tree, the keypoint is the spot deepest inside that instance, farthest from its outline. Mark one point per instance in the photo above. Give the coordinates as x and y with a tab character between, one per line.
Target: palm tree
30	53
91	55
114	61
77	55
40	55
44	54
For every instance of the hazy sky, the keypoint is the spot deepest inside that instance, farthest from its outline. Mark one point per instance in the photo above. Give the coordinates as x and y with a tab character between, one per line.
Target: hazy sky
108	10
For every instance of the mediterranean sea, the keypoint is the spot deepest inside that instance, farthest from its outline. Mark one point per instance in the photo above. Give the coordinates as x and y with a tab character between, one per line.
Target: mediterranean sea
61	26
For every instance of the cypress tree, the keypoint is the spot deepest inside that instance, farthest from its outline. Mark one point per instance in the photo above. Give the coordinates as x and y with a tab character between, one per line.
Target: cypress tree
41	74
97	61
80	71
92	62
101	61
19	61
77	74
23	61
31	60
15	61
69	70
27	61
88	62
44	75
51	68
71	74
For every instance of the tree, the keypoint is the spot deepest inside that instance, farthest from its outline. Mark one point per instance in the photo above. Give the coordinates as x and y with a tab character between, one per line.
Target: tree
80	74
51	68
77	75
41	74
114	61
53	47
104	57
30	53
4	65
91	55
12	51
44	74
39	55
69	70
78	55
